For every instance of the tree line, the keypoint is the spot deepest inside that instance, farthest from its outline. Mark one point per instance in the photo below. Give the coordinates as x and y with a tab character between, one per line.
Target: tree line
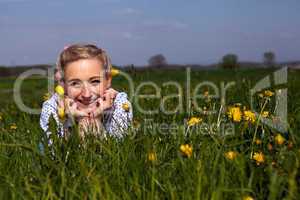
228	61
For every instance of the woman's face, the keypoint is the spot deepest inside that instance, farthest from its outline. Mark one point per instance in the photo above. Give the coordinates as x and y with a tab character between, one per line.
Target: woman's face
85	81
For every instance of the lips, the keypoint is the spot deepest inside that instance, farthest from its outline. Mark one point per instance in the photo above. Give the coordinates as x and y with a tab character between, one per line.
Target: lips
85	104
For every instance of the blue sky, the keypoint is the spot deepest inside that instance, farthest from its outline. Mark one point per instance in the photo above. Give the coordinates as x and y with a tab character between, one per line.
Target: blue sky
185	31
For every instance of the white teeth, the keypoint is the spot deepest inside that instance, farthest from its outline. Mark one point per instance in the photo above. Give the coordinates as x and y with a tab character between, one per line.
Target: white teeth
87	103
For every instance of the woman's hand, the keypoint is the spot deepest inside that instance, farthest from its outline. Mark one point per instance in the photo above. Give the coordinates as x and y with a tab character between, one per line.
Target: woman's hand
105	102
70	108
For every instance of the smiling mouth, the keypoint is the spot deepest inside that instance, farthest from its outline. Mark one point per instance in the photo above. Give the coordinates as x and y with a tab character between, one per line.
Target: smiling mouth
85	104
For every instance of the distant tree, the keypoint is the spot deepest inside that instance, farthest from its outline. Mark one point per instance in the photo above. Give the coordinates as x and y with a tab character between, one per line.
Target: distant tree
230	61
157	60
269	59
132	69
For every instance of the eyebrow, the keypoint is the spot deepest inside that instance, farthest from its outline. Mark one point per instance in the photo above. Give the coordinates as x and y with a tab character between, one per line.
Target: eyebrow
75	79
95	77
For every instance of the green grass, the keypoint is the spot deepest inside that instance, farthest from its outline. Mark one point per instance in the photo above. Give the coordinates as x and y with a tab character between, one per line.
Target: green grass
113	169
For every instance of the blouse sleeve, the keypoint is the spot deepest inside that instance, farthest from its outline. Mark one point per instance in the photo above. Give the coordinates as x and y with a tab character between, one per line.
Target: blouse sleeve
120	117
49	109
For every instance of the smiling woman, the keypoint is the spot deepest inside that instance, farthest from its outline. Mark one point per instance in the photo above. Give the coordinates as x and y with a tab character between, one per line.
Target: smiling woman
87	97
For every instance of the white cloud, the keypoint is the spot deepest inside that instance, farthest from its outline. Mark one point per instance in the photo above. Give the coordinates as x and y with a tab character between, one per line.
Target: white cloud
130	36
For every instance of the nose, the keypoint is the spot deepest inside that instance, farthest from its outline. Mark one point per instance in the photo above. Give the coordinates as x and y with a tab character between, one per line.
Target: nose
86	93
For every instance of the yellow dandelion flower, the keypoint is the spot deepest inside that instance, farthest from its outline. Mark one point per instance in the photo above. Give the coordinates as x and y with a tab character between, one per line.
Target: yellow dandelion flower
186	150
194	120
258	141
265	114
258	157
279	139
249	116
46	96
248	198
125	107
13	127
152	156
61	113
114	72
231	155
60	90
1	117
268	93
235	114
237	104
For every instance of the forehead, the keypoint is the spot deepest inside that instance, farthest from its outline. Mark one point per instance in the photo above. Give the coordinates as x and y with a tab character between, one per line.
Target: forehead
83	69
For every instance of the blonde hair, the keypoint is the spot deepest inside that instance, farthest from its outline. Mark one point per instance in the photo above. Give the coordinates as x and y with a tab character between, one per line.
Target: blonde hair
76	52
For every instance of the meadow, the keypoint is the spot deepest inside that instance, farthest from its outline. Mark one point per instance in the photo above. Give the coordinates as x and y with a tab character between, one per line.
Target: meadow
183	155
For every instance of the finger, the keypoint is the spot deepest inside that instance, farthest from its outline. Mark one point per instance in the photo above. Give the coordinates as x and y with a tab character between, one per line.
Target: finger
60	103
71	102
97	104
81	113
106	104
70	110
112	92
68	102
90	108
99	107
110	100
74	111
108	97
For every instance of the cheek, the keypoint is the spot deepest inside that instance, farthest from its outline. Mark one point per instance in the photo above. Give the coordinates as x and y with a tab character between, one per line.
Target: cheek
98	90
72	92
